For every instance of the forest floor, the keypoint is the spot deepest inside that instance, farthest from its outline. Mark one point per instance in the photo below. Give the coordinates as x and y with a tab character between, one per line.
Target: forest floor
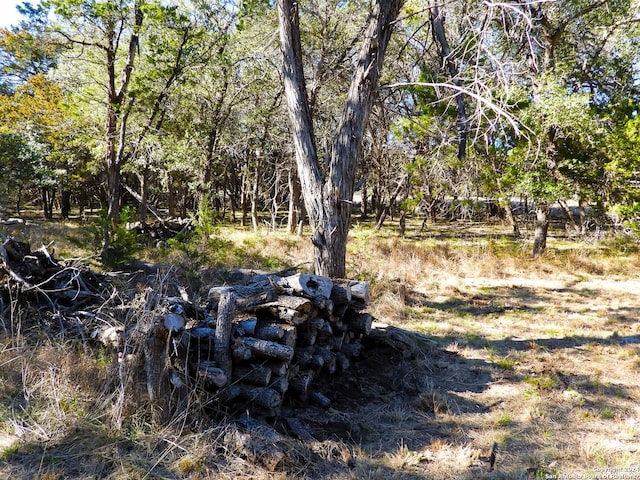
505	368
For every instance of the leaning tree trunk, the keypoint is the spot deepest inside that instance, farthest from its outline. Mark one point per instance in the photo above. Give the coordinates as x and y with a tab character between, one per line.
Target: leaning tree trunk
328	204
542	228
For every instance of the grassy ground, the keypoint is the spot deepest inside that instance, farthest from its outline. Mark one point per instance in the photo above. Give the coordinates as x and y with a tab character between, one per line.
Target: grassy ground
500	366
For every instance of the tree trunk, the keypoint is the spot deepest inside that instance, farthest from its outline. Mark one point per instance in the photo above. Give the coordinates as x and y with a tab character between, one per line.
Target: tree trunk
567	213
437	23
294	200
583	217
65	203
508	211
171	197
542	228
115	101
254	202
328	204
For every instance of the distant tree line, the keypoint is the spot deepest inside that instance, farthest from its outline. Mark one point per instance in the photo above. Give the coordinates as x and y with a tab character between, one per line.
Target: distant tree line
281	114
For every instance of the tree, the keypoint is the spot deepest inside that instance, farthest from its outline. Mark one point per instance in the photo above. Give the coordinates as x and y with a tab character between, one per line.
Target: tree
328	201
110	30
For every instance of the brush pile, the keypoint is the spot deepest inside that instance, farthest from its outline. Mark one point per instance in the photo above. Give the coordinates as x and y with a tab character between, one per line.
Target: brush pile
63	285
261	344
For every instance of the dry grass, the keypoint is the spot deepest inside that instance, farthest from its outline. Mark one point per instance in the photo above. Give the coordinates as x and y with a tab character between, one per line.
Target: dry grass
539	357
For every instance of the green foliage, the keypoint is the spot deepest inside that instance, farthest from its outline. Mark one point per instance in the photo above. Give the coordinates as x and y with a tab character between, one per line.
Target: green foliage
124	243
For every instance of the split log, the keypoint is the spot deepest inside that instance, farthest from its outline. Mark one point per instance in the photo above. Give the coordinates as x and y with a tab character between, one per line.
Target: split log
268	349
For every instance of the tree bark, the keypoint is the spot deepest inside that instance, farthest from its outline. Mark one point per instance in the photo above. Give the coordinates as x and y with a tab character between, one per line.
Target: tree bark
542	228
437	23
115	114
328	203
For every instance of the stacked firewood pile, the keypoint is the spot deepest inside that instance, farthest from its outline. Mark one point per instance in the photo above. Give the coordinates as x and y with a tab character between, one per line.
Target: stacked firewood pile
268	342
262	344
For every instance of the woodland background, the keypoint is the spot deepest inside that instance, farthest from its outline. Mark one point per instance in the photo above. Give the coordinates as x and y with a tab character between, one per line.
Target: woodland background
153	141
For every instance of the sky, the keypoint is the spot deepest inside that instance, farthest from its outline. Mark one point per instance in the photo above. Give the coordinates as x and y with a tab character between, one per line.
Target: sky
8	13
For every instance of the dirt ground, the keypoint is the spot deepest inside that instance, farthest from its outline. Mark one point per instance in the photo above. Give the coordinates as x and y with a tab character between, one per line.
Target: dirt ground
467	375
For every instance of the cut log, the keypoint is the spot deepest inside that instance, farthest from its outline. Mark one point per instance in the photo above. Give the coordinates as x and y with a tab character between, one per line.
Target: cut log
264	397
241	353
290	335
226	312
341	293
309	285
279	384
351	349
174	322
278	368
316	323
212	376
176	379
335	342
320	399
292	317
246	327
360	291
342	361
253	374
299	429
261	445
268	349
306	337
301	382
329	359
269	332
360	322
246	297
302	356
299	304
228	393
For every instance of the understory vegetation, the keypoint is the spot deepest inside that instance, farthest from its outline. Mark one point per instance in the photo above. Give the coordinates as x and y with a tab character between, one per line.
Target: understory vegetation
510	367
